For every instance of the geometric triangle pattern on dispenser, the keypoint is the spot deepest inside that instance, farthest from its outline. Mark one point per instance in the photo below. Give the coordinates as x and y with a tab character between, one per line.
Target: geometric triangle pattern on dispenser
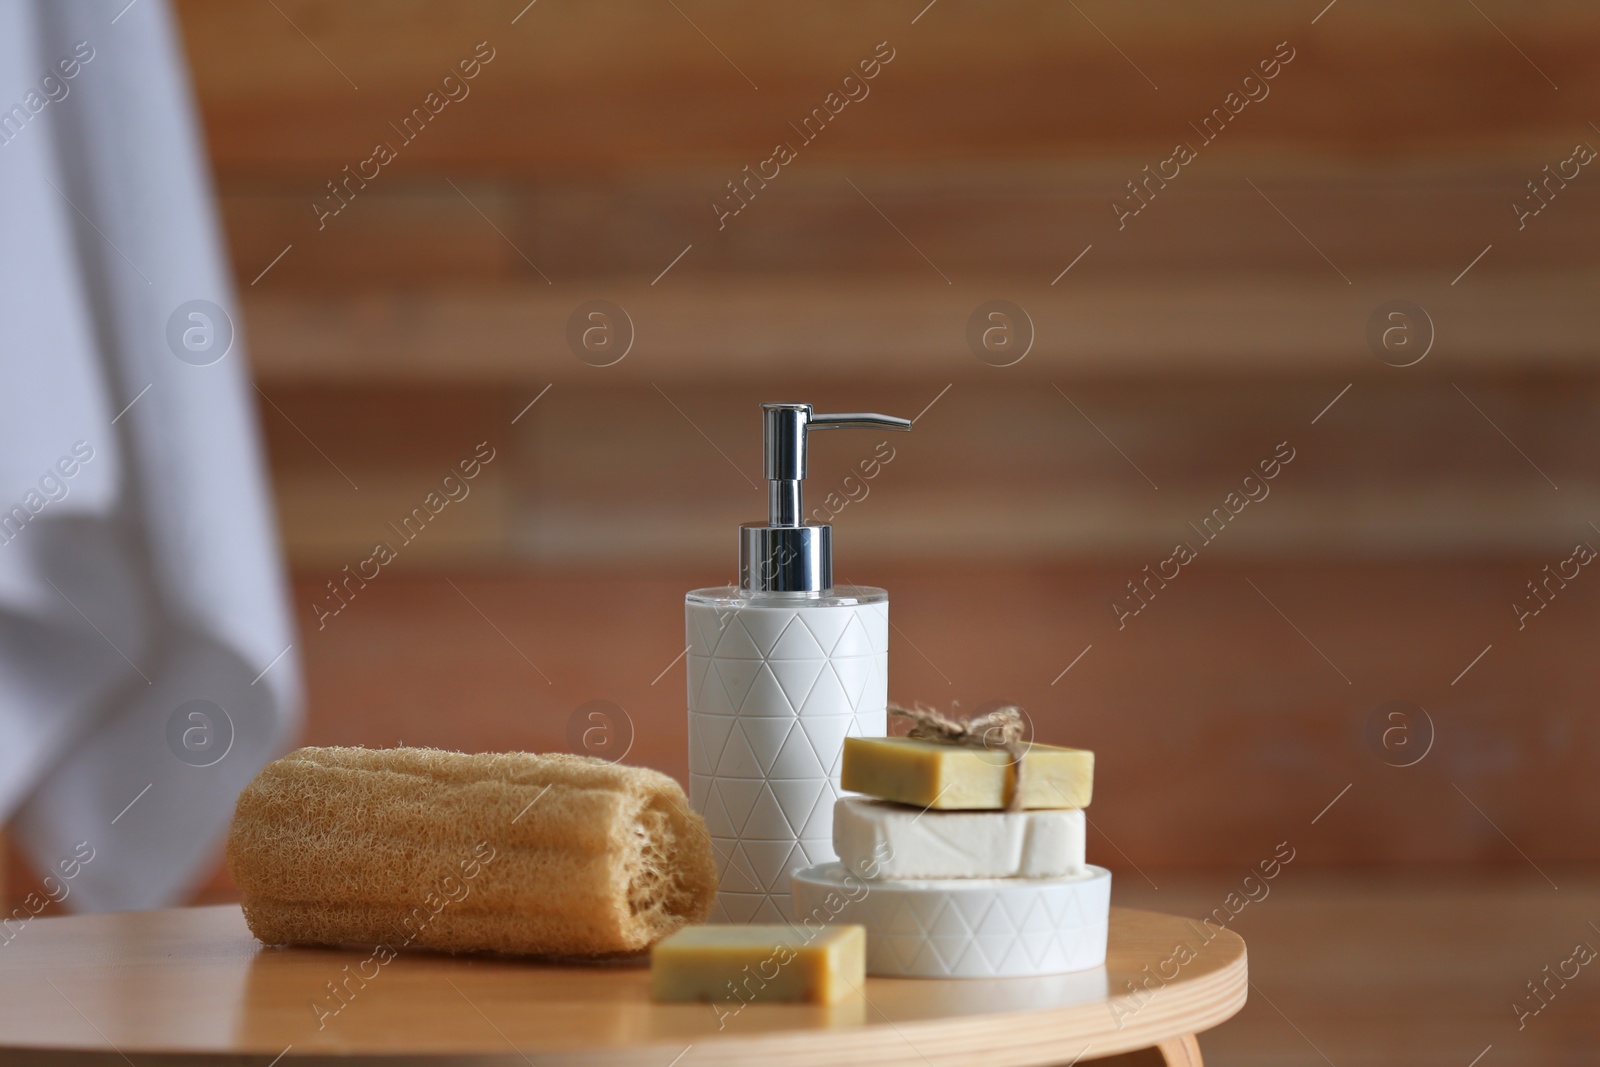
773	693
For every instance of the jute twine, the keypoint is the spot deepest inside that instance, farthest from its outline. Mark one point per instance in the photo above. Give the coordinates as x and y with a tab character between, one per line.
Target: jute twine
1000	728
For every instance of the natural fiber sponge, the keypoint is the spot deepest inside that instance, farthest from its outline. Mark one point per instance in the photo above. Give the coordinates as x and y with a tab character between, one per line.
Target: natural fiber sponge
499	852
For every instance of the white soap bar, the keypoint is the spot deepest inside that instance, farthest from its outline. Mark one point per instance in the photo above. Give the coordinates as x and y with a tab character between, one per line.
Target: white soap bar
878	839
965	927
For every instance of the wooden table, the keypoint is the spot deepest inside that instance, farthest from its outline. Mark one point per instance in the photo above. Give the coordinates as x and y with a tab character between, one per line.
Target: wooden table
190	986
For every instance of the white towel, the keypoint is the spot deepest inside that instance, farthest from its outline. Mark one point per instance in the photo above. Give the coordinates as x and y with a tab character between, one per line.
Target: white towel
146	661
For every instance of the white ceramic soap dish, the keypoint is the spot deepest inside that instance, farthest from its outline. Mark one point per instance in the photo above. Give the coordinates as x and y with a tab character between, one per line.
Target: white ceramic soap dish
965	927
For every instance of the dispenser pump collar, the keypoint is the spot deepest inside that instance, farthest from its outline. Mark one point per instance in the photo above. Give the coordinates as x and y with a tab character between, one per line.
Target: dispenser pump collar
786	555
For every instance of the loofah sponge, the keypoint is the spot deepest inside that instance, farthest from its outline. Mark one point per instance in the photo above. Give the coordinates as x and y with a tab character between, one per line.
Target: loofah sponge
501	852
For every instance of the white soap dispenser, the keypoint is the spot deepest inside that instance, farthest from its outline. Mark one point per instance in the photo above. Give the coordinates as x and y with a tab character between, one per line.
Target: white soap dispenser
782	668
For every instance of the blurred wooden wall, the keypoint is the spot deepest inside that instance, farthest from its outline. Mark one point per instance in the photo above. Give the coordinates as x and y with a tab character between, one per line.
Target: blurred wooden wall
1170	355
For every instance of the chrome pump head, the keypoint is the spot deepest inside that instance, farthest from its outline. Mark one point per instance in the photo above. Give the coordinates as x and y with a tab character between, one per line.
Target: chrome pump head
785	555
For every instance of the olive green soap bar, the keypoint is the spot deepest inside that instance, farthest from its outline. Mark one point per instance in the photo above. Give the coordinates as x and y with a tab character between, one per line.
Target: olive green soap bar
930	774
761	964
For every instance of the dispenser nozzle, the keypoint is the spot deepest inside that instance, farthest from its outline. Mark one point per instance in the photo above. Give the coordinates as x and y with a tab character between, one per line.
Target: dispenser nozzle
784	428
786	555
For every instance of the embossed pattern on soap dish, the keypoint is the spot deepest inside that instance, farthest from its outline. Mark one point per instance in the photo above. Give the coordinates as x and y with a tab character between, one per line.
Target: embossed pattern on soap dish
967	928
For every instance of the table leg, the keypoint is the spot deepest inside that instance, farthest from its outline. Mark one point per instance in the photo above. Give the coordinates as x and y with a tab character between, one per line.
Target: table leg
1176	1052
1181	1051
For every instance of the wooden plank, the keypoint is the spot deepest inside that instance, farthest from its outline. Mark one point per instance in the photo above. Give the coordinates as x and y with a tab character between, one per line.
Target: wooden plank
580	88
887	329
1385	466
1010	222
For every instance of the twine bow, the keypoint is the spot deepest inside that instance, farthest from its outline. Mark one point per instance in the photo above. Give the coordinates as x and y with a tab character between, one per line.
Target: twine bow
1001	728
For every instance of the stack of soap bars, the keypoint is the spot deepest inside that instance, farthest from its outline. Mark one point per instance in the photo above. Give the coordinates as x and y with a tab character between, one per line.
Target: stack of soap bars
962	861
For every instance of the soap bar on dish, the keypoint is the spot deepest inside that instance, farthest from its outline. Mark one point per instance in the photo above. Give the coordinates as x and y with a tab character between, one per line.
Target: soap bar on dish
769	963
930	774
877	839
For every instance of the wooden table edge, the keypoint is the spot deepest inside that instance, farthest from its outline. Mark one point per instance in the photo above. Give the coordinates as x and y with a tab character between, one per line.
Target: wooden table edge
1139	1018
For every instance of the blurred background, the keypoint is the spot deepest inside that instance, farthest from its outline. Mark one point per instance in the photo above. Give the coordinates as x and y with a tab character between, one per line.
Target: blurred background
1379	262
